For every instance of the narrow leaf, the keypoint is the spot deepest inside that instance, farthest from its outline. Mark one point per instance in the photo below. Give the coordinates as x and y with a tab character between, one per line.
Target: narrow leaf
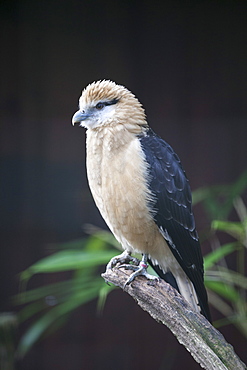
215	256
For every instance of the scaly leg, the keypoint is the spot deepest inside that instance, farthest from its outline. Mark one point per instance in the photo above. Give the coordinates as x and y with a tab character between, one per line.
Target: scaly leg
140	269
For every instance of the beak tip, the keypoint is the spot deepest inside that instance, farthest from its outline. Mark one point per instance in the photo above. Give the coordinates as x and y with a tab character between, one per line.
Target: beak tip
78	117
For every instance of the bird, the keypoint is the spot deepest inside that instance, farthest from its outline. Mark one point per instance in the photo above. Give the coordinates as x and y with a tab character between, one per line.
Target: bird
141	190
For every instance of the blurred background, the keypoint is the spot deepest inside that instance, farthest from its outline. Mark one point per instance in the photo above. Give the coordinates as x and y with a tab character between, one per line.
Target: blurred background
186	61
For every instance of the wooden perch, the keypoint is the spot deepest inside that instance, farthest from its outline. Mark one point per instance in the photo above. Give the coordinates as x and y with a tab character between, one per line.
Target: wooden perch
206	344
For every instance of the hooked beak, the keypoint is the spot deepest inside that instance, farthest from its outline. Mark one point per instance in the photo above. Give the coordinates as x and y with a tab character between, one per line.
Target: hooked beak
79	116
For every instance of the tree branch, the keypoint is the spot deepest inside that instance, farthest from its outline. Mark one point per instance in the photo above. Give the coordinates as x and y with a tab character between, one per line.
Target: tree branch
206	344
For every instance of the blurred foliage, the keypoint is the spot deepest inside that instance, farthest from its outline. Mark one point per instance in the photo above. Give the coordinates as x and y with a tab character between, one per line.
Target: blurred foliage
8	329
48	307
225	277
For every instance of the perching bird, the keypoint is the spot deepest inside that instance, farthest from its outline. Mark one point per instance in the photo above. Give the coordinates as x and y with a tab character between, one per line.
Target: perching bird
141	190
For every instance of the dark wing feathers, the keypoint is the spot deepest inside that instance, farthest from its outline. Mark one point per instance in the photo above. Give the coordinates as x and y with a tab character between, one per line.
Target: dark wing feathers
172	209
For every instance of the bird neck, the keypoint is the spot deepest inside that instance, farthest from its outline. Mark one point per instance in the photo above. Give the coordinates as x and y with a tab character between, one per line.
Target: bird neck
108	138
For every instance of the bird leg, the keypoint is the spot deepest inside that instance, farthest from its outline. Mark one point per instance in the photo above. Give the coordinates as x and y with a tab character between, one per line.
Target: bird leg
140	269
123	259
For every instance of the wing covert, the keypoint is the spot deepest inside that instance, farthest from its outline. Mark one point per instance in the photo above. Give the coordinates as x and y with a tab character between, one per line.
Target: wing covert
172	208
168	183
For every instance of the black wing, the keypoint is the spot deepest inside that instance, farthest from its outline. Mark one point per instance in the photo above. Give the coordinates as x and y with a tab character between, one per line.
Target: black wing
173	210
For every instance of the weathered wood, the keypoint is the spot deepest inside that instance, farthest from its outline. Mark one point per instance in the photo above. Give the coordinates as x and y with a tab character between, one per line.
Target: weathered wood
206	344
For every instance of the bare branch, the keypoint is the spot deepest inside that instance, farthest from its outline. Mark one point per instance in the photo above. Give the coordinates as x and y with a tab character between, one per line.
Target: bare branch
206	344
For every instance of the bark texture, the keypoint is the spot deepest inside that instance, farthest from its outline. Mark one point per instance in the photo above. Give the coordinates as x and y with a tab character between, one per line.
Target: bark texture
206	344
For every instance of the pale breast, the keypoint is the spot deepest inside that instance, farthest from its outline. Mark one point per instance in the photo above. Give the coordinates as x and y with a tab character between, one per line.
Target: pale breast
117	175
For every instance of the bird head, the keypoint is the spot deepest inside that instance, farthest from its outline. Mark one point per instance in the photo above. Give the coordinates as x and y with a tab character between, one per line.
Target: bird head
104	103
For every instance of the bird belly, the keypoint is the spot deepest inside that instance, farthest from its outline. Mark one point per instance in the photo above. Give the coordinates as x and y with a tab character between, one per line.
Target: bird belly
118	181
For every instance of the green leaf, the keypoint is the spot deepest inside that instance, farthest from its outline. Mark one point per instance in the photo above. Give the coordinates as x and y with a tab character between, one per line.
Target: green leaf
103	293
218	200
72	244
68	260
31	310
224	290
107	239
218	254
34	333
41	292
238	187
236	229
199	195
227	276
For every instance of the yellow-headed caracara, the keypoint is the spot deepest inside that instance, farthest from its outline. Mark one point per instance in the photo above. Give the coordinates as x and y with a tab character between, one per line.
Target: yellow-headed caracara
141	190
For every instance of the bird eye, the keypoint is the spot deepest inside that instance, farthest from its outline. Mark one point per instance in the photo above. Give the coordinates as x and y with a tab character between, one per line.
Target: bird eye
100	106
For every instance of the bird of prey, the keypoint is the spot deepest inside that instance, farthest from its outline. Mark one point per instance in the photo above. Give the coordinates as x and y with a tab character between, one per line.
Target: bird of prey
141	190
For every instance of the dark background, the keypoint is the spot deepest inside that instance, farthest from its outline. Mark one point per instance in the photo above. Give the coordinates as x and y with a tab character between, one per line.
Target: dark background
187	63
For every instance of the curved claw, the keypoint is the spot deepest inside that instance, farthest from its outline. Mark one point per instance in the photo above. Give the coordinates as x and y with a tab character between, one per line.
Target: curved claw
139	267
123	258
139	270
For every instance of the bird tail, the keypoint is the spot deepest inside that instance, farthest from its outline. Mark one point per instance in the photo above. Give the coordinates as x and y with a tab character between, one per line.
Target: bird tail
187	290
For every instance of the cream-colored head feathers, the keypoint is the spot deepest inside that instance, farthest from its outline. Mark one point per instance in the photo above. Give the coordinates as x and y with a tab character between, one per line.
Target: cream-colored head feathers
104	103
103	90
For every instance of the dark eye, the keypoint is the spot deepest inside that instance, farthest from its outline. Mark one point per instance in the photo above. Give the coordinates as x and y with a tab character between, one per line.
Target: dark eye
100	106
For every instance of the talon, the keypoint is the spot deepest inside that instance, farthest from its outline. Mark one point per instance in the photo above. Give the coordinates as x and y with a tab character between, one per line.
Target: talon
139	267
128	267
123	259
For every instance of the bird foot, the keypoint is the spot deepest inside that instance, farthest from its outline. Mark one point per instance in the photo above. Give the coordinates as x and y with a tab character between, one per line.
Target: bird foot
128	262
139	270
123	259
